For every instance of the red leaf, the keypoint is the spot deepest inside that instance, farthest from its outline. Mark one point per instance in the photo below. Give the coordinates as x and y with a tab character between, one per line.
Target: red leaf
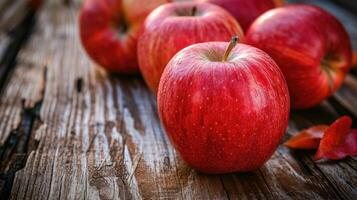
307	138
350	143
338	141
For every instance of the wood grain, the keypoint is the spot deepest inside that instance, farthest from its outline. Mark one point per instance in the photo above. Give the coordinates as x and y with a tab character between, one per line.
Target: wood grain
16	20
69	130
12	13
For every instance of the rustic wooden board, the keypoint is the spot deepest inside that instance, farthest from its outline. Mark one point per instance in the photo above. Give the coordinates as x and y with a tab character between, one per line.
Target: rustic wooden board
16	18
70	130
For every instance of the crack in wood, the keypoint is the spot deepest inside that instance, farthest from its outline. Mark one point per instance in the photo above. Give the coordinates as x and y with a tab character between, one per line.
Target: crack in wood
14	152
20	35
224	188
265	182
330	183
79	84
16	145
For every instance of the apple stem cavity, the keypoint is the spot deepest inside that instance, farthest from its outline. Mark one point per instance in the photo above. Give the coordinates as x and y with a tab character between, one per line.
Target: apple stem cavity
327	67
331	63
231	45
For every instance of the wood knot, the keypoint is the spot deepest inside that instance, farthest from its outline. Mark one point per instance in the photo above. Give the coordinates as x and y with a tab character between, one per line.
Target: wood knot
79	85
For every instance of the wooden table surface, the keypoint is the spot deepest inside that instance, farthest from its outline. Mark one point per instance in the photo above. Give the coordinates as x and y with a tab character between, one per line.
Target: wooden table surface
69	130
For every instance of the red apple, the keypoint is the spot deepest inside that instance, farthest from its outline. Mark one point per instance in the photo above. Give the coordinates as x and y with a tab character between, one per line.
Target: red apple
245	11
223	113
107	36
174	26
310	46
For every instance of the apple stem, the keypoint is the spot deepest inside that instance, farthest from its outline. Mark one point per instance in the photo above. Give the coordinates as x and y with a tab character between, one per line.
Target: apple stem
231	45
193	11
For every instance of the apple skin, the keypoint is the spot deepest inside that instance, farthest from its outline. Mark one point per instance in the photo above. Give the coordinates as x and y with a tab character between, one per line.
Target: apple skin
244	11
223	116
100	24
165	33
310	46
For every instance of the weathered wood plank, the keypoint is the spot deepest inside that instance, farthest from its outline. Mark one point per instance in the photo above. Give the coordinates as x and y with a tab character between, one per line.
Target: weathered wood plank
4	43
347	95
12	13
89	144
98	135
342	174
17	102
16	20
18	105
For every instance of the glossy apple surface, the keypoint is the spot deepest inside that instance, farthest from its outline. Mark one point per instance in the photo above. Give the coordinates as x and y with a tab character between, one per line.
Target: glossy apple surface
244	11
310	46
107	36
174	26
223	116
